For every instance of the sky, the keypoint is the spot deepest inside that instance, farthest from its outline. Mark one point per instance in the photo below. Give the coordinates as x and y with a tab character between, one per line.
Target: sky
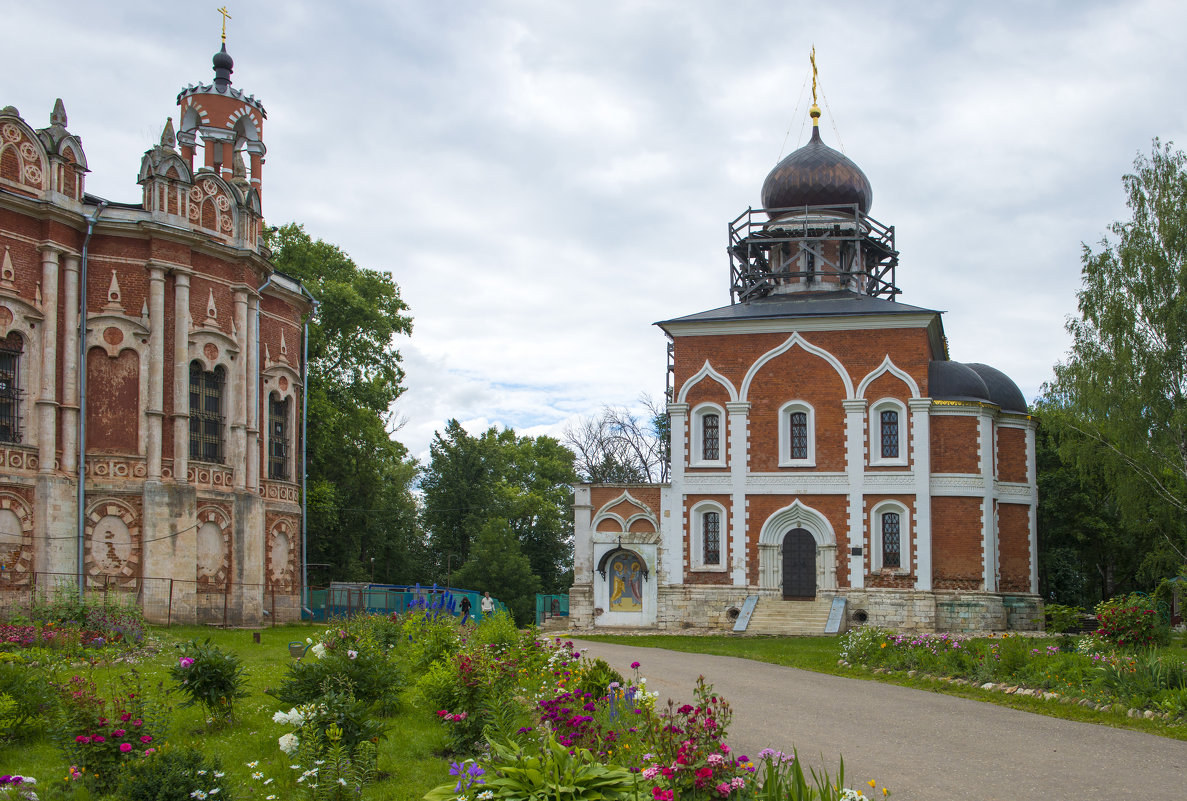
545	180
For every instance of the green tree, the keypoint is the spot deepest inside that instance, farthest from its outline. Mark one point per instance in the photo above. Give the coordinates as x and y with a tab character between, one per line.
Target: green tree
1123	387
360	502
497	565
524	481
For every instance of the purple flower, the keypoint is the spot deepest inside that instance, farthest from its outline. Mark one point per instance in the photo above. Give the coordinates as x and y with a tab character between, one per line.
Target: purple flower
185	661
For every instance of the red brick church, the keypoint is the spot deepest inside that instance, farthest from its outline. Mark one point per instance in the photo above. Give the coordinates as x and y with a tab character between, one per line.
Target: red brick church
824	445
150	351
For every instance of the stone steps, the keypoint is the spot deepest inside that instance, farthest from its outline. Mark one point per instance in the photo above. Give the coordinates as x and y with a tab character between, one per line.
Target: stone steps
789	618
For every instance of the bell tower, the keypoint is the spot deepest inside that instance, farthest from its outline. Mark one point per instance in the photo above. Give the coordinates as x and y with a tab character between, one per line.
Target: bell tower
224	121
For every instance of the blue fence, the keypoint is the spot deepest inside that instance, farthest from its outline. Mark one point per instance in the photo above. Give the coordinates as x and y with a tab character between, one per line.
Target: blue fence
550	606
341	599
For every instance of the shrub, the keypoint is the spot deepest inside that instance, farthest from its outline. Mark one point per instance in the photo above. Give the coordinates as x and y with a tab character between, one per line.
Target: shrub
31	694
174	774
862	646
1129	622
338	710
1061	619
211	678
368	673
595	677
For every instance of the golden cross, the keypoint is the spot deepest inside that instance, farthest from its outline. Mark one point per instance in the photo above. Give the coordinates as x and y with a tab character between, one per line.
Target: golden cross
812	58
227	15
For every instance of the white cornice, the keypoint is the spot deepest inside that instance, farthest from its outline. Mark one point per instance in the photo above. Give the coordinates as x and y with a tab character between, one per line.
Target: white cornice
790	324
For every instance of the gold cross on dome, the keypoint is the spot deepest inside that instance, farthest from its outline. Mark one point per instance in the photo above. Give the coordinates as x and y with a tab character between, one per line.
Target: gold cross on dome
226	16
812	58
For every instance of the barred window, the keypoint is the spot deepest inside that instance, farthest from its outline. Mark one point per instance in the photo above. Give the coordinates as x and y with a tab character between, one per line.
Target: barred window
10	385
799	435
890	435
891	540
278	443
206	417
711	538
710	437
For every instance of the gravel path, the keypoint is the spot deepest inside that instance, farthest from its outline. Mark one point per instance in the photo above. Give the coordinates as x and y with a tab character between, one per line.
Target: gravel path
924	746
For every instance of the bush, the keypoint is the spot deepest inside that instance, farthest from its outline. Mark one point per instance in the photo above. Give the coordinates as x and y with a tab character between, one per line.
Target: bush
368	673
211	678
32	696
174	774
1130	622
862	646
1061	619
595	678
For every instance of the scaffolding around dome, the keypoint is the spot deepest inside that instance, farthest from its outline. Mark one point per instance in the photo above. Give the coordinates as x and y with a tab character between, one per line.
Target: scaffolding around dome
810	249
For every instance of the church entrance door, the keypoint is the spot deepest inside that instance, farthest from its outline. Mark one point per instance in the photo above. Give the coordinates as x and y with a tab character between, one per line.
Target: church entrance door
799	565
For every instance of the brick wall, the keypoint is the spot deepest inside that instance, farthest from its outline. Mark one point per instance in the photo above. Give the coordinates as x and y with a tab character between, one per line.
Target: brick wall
1014	546
835	509
954	444
1011	454
957	561
903	578
721	576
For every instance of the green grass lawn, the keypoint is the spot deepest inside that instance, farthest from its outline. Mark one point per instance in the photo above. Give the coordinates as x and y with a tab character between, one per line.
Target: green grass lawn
819	654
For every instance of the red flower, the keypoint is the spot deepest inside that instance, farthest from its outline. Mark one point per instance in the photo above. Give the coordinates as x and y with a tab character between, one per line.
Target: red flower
125	747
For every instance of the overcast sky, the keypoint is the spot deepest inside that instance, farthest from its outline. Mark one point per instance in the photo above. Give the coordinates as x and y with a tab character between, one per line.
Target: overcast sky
547	179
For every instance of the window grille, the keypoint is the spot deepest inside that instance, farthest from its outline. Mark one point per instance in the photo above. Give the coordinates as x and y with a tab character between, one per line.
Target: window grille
278	445
711	538
10	386
891	540
889	435
206	419
710	437
799	435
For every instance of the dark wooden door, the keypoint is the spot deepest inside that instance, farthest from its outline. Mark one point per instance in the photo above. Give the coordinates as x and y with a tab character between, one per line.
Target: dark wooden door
799	564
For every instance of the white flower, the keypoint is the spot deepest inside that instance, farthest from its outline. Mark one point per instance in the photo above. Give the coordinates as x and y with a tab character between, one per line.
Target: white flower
252	764
318	762
257	775
289	743
267	782
352	654
270	798
309	641
201	773
342	781
319	650
485	795
218	774
198	794
214	791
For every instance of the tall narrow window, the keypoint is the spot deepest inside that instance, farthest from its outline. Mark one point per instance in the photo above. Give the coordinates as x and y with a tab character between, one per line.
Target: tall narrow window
889	435
278	447
798	426
891	540
711	538
206	414
10	383
710	437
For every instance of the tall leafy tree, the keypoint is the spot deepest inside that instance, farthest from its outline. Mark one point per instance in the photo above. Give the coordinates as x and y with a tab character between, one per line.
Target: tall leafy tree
1123	386
524	481
360	501
497	565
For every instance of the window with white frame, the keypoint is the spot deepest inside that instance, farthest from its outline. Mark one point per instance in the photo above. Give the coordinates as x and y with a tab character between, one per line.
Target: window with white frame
890	547
797	435
11	348
708	440
708	546
888	433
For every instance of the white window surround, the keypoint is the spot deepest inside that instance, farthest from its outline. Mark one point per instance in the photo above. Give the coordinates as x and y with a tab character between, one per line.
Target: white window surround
696	426
696	542
904	518
785	413
875	432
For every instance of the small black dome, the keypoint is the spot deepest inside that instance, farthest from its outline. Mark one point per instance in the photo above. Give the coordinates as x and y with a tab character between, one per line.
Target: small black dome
223	66
816	175
955	381
1002	391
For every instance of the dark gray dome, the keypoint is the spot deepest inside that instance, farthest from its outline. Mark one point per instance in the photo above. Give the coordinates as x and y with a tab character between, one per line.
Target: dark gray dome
1002	390
955	381
816	175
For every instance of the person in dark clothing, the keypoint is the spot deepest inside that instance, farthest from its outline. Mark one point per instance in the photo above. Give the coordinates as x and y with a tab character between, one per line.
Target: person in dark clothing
465	608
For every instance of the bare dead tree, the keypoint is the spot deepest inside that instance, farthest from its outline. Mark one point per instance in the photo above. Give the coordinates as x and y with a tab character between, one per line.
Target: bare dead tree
620	447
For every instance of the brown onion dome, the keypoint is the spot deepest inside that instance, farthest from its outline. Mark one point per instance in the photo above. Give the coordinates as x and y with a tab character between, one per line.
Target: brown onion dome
816	175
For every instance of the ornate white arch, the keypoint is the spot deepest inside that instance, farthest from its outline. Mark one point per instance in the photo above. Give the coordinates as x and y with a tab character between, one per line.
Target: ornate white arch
793	340
770	542
707	371
888	366
644	513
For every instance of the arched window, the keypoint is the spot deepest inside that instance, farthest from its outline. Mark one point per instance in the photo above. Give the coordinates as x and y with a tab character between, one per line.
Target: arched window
890	541
707	548
10	387
278	442
206	414
707	448
888	433
797	435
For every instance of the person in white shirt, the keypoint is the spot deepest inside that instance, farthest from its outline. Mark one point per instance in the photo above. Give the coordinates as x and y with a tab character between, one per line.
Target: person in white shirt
488	604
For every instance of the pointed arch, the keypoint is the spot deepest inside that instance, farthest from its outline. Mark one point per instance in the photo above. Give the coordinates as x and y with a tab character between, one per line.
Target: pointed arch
888	366
815	350
797	515
707	371
644	513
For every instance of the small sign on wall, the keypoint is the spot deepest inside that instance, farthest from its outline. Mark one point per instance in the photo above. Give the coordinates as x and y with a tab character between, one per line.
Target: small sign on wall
835	616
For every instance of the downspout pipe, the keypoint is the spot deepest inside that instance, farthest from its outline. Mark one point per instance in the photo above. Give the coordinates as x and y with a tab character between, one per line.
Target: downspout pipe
306	598
82	397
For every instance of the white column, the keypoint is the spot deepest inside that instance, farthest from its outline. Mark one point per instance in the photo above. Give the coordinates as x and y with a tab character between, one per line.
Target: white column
181	375
238	454
921	446
739	468
855	467
156	368
70	364
987	453
47	396
253	387
673	539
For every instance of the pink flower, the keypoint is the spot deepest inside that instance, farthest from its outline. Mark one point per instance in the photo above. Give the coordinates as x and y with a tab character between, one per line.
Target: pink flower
102	721
148	751
145	739
138	722
634	665
185	661
98	738
82	738
126	717
125	747
118	733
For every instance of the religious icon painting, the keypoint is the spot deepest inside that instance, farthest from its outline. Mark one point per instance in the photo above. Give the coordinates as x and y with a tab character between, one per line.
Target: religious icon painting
626	583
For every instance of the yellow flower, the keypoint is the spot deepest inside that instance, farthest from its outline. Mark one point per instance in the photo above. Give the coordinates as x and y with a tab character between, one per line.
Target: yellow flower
883	645
885	792
871	783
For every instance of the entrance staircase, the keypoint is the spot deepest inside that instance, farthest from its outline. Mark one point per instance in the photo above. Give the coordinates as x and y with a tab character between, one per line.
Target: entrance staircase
789	618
